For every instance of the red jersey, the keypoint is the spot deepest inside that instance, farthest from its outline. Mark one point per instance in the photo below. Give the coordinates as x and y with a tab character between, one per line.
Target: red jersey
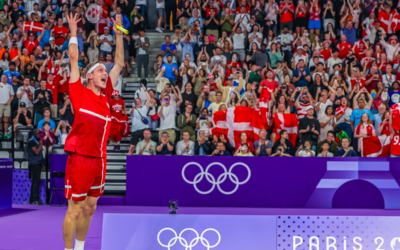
54	90
395	145
116	108
386	129
343	49
63	88
92	123
31	45
286	15
58	31
360	81
208	11
302	110
239	9
301	13
326	53
361	54
316	14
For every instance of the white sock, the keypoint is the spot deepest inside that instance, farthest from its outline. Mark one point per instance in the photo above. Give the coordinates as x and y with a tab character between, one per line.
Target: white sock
117	143
79	245
68	249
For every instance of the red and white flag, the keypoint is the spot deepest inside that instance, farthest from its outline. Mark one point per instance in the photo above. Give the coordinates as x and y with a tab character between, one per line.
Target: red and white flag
384	17
395	21
286	122
395	109
340	110
235	121
376	146
33	26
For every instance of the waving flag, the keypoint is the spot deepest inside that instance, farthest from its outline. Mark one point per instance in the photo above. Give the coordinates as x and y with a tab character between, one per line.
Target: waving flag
286	122
235	121
385	20
33	26
376	146
395	21
395	109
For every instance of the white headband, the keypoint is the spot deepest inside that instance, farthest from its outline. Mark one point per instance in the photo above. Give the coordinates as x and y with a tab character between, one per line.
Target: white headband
92	68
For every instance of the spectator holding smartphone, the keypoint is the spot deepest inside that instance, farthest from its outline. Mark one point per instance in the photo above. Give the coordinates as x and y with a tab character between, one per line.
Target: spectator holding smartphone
220	150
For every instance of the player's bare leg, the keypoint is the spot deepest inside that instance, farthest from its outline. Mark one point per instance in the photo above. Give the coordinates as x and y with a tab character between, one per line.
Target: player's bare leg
70	222
83	223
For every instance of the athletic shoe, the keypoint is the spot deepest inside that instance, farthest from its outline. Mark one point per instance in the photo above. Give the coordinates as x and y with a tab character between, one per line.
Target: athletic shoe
138	79
36	203
1	136
147	79
133	62
162	29
7	136
159	30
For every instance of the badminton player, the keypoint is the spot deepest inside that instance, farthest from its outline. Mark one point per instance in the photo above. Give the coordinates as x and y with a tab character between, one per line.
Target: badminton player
87	142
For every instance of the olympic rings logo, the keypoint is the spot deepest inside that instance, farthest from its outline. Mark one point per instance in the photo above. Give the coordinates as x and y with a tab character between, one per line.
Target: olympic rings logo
184	242
221	178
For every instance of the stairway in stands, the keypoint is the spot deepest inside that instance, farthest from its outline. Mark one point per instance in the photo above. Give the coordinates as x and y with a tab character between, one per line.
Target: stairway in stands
116	178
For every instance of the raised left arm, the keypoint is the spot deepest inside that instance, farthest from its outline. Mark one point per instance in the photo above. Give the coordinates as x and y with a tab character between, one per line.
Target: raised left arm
119	52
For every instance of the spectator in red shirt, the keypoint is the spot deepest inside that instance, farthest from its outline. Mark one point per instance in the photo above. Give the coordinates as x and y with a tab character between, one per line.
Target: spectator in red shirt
343	47
286	9
60	33
30	43
373	78
244	140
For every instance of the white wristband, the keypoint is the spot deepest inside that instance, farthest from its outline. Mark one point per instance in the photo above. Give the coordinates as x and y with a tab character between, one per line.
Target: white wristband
73	40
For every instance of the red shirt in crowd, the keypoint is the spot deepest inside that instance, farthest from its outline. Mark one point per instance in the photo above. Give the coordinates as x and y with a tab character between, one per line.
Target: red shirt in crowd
373	83
116	108
343	49
53	87
395	145
58	31
286	15
354	81
31	45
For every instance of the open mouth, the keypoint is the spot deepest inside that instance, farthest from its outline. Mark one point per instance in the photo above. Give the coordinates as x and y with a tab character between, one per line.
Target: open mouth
104	79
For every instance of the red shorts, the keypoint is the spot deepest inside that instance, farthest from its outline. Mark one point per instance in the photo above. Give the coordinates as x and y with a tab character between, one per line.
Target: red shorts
84	176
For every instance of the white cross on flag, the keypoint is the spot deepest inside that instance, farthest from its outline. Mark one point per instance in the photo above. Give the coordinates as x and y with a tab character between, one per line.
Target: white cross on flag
33	26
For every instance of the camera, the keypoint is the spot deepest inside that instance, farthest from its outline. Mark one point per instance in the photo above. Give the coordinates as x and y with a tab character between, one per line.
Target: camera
206	94
173	204
203	116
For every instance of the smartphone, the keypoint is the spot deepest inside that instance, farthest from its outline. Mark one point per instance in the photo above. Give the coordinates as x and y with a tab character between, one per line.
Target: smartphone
301	88
203	116
337	73
135	102
166	100
64	122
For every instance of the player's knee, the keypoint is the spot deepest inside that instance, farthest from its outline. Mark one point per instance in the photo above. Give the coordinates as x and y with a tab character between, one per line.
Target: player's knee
89	209
74	213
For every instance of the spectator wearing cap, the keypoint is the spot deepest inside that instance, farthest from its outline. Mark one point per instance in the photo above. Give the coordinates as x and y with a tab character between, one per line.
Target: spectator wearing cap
22	117
309	128
106	42
66	110
229	88
168	49
301	75
25	95
6	97
170	70
30	42
36	164
142	45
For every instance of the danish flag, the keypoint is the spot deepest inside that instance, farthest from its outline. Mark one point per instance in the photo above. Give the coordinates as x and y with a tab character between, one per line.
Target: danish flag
340	110
236	120
33	26
395	109
286	122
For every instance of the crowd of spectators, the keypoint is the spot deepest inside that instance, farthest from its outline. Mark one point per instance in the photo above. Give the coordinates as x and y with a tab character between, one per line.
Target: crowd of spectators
309	58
